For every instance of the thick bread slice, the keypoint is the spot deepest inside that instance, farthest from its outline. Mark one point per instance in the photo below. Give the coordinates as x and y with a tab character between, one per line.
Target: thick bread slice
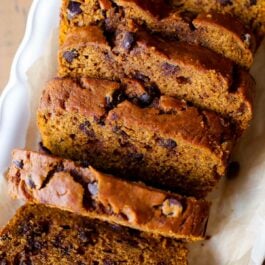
41	235
222	33
178	69
61	183
130	130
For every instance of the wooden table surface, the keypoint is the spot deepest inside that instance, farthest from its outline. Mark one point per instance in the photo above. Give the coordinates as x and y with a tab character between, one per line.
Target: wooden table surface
13	16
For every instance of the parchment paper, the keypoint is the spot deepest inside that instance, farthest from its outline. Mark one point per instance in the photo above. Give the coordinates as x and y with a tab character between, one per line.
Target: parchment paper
236	227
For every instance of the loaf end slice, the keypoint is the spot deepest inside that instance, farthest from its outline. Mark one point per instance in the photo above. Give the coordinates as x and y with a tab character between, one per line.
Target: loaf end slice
41	235
130	130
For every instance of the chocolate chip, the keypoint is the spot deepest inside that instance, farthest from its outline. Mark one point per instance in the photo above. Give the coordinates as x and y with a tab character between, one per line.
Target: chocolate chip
99	120
30	183
253	2
225	2
233	170
170	69
74	9
69	56
19	163
167	143
128	41
145	100
117	97
93	188
84	127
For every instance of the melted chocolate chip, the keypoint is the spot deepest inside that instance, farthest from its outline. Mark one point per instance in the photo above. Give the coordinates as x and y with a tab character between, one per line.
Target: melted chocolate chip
233	170
225	2
252	2
170	69
117	97
69	56
128	41
167	143
19	163
74	9
93	188
145	100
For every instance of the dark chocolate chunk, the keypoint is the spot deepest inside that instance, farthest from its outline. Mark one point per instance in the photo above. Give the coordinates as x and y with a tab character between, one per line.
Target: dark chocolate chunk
74	9
145	100
117	97
19	163
167	143
69	56
93	188
225	2
170	69
252	2
128	40
233	170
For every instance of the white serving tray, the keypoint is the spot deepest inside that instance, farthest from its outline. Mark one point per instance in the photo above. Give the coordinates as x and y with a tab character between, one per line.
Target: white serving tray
14	120
14	101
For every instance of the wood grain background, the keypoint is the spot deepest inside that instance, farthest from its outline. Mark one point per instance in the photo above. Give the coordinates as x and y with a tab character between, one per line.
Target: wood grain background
13	16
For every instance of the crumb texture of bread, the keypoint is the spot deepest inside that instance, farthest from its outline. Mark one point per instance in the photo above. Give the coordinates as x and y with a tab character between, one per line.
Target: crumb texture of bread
40	178
219	32
178	69
40	235
129	130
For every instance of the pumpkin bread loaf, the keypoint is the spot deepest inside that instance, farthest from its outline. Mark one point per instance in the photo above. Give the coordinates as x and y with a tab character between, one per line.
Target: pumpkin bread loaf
79	188
41	235
222	33
130	131
178	69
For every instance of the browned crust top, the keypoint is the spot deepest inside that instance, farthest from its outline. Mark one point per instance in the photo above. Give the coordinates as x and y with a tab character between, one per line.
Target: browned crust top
62	183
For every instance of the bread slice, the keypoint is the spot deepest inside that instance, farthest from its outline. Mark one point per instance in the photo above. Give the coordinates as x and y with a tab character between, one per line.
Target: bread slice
64	184
221	33
250	12
190	72
41	235
129	130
